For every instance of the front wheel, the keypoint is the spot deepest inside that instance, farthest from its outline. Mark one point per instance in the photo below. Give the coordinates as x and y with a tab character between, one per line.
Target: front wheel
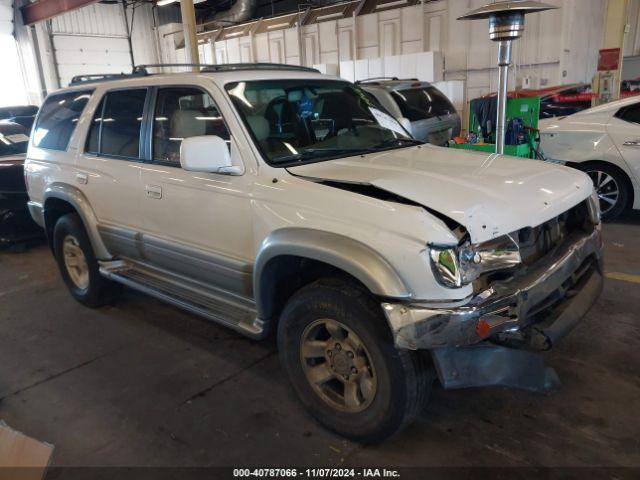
611	186
339	355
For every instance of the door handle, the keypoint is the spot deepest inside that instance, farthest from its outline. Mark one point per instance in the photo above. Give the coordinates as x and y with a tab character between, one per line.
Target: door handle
82	178
153	191
632	143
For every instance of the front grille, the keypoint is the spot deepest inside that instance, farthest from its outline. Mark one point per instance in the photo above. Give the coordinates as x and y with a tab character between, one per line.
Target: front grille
536	242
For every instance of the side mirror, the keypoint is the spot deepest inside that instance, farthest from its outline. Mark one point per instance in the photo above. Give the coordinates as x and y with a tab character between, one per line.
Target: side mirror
207	153
406	124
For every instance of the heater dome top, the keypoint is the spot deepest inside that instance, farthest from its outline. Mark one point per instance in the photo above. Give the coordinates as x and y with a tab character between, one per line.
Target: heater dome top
506	8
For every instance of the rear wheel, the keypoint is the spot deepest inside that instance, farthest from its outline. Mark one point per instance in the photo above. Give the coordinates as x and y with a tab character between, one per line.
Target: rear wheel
611	186
77	263
339	355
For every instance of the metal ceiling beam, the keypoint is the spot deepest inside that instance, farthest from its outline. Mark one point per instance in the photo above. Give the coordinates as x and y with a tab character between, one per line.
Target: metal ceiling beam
46	9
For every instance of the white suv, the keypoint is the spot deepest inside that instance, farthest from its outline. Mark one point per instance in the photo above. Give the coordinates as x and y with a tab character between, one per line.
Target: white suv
275	199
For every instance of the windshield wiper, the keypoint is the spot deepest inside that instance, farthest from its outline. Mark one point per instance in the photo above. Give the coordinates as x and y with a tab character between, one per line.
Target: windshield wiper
393	142
316	153
320	153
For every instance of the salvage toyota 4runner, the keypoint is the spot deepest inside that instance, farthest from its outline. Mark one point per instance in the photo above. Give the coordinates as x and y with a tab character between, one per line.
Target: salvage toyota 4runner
275	199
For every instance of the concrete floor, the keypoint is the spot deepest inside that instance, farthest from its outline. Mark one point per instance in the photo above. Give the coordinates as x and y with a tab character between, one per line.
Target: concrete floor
142	383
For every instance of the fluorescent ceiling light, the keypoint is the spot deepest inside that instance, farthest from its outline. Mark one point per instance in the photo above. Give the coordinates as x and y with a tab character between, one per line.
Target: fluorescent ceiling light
233	34
391	4
162	3
278	25
330	15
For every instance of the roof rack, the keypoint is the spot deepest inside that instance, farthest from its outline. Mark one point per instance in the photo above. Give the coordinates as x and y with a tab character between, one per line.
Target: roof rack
101	77
226	67
143	70
377	80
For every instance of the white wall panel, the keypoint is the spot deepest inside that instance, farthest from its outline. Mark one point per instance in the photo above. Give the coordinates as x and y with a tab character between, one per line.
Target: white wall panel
345	39
310	44
367	36
292	46
261	45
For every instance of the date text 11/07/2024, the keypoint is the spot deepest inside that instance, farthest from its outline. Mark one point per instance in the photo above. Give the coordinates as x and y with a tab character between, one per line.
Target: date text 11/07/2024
315	473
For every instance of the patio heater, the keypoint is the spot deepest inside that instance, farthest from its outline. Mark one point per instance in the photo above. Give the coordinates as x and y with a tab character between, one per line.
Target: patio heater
506	24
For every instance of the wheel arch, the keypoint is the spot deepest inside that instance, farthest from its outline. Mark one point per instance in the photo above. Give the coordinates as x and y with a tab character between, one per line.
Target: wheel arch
625	175
60	199
292	257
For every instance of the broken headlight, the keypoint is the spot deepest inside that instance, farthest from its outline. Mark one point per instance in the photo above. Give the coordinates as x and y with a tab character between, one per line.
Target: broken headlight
457	266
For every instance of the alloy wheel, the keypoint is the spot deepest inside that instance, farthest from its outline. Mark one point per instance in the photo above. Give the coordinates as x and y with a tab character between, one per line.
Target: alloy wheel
75	262
338	366
607	189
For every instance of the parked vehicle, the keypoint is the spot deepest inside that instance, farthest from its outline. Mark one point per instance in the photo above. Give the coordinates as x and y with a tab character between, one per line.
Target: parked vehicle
16	224
23	114
604	142
274	198
419	106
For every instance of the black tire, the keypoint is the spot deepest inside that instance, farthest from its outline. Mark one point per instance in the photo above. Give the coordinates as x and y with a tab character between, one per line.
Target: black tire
599	173
404	378
98	291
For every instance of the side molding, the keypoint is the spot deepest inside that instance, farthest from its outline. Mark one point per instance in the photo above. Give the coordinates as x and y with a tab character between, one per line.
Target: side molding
344	253
75	197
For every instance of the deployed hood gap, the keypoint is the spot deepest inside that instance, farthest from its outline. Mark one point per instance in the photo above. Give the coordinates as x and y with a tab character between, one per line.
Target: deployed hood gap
371	191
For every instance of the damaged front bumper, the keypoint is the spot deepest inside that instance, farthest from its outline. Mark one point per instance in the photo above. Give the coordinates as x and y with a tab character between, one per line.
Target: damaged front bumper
494	338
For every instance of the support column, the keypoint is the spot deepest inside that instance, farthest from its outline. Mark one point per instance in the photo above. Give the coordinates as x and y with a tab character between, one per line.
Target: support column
188	13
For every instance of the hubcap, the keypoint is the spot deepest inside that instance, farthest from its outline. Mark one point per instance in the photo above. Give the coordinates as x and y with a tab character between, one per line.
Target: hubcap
75	262
607	189
338	365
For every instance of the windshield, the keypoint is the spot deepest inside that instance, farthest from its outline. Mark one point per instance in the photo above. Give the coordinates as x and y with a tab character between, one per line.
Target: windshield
304	121
14	139
423	103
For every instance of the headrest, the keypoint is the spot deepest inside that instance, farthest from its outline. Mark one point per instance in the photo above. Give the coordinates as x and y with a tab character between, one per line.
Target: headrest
184	123
294	95
260	126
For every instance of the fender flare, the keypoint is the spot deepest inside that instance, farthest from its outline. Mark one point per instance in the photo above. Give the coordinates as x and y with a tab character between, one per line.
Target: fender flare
79	201
345	253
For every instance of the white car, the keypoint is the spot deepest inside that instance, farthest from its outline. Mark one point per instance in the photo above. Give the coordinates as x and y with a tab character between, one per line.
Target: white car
604	142
275	199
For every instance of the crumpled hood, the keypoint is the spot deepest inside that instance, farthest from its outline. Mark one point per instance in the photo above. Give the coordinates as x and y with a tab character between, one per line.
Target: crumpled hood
488	194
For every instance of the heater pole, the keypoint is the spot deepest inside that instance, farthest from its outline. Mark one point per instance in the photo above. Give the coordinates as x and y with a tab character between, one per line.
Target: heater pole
506	24
504	61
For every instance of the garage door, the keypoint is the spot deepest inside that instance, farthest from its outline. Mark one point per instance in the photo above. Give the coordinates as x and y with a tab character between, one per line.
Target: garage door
12	87
89	40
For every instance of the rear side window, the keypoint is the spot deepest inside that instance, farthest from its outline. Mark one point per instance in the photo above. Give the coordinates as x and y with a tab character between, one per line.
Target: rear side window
422	103
58	119
630	113
115	127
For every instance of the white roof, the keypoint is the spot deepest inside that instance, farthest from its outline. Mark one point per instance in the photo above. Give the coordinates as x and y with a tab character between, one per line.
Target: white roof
611	106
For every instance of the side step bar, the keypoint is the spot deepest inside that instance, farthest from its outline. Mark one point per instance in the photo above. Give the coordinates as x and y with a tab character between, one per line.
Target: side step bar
195	298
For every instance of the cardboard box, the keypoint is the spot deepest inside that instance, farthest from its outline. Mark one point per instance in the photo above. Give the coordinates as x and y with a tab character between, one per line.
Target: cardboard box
21	457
